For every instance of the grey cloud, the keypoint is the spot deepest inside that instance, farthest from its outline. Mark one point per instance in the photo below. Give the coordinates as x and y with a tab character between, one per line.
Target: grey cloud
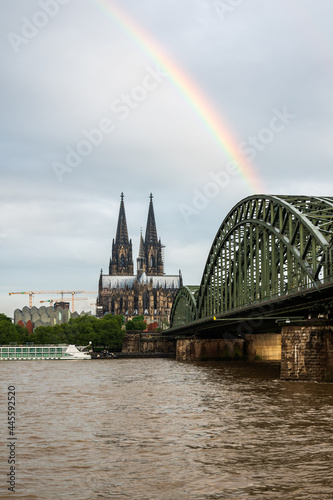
262	56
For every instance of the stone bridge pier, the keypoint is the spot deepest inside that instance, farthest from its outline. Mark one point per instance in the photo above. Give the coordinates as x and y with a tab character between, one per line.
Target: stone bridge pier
307	353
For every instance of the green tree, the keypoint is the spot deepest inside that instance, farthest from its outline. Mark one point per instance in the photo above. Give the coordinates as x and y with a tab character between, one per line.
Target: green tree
105	332
81	330
110	334
10	332
137	323
3	317
47	335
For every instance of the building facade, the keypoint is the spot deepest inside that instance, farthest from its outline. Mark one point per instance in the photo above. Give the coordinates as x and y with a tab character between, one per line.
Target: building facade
149	292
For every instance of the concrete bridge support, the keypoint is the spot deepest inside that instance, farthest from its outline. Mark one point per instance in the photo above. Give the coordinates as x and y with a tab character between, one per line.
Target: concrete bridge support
142	344
307	353
192	349
266	347
263	346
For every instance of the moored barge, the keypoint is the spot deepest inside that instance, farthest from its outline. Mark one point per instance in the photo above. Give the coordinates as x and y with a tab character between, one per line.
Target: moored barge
40	352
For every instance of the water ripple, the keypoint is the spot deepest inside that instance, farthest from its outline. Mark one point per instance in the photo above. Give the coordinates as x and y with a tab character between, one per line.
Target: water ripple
158	429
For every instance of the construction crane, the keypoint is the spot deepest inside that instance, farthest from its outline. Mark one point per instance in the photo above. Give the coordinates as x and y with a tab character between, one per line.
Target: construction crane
52	301
51	292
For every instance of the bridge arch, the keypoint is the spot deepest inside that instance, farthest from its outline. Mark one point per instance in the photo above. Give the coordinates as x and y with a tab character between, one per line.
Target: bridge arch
184	308
267	246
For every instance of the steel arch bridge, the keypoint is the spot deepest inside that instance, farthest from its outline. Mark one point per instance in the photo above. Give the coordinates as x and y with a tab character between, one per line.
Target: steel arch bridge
184	307
267	247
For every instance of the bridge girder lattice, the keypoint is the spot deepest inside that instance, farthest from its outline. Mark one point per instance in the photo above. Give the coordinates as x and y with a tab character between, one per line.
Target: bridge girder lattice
266	247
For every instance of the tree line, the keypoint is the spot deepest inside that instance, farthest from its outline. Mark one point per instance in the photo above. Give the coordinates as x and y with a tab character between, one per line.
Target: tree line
105	332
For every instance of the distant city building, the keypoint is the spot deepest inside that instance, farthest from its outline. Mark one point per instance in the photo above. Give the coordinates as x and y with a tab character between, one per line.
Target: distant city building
63	305
149	292
45	316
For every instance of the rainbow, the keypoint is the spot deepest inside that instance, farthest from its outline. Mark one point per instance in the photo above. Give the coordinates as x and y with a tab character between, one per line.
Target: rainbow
187	87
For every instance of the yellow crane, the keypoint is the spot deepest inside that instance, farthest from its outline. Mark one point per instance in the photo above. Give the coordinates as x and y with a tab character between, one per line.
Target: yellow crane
51	292
52	301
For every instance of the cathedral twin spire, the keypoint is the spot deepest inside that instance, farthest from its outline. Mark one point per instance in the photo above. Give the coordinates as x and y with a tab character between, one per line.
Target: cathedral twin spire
150	258
122	234
151	233
121	261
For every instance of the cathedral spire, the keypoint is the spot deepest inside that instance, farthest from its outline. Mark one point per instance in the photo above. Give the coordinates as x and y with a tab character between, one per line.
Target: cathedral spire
141	260
122	234
121	262
151	233
141	248
152	246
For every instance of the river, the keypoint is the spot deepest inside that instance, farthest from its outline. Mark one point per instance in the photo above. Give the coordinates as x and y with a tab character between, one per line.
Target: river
147	429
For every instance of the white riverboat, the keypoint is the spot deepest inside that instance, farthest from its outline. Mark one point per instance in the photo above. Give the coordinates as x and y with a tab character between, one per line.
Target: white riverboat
72	352
38	352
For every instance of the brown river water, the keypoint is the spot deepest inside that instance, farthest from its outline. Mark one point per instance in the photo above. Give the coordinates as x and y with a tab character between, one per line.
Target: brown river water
160	429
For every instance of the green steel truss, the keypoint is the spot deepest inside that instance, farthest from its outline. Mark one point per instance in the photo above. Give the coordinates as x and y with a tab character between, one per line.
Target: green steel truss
266	247
184	308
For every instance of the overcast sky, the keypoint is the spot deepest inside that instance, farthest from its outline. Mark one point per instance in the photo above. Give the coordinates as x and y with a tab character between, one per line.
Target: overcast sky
72	67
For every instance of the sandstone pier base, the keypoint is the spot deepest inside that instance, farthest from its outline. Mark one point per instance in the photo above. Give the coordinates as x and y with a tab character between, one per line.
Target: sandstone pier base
307	353
138	344
209	349
263	346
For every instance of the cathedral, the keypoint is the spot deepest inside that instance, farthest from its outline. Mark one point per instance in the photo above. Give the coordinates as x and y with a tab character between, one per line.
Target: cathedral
149	292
